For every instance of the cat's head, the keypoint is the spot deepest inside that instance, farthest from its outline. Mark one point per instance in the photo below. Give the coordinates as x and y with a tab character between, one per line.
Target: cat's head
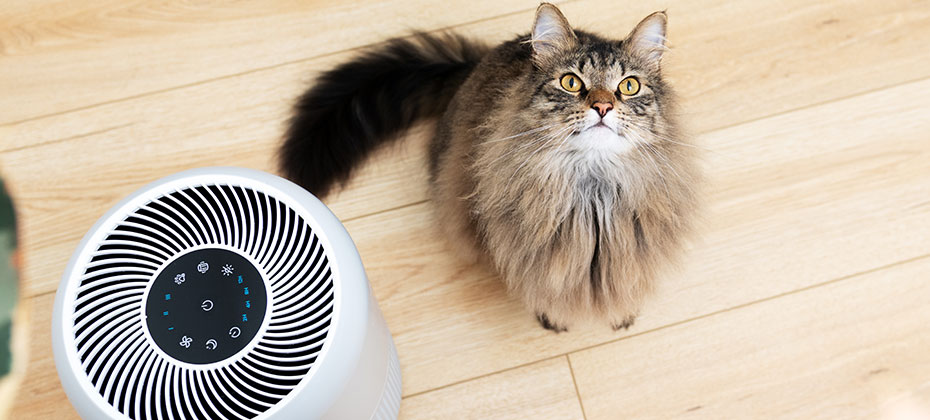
603	94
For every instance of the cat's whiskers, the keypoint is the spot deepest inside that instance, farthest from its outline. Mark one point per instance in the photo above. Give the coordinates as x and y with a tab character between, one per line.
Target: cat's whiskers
560	129
528	144
648	152
659	174
564	132
655	151
668	164
668	139
531	131
558	147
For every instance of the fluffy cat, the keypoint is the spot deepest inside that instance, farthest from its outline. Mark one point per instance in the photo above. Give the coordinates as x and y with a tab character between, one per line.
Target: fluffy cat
557	156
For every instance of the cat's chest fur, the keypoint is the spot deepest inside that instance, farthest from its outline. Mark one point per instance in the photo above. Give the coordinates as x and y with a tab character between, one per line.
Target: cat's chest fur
564	232
585	189
564	198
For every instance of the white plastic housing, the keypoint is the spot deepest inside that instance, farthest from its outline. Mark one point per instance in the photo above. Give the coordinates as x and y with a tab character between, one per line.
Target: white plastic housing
110	366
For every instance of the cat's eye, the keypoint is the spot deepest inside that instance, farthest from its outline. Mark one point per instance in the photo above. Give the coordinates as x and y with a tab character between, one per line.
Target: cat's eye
629	86
571	83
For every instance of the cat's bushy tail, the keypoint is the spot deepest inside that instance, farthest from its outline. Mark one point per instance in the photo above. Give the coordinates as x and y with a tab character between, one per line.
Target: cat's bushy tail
363	103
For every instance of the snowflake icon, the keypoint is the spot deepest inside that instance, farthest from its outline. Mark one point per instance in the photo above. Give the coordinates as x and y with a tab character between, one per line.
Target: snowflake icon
186	342
180	278
203	267
227	270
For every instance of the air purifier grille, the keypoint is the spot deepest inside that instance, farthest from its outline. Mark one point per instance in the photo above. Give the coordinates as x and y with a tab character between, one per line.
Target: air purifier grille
150	362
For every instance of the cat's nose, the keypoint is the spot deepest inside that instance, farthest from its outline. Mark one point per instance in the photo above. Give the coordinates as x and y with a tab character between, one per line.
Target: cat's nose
602	107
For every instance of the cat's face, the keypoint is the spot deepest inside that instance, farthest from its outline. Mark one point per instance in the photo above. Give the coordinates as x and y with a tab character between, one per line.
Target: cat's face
598	95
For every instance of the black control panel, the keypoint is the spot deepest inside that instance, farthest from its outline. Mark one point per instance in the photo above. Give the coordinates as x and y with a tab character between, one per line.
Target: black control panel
206	306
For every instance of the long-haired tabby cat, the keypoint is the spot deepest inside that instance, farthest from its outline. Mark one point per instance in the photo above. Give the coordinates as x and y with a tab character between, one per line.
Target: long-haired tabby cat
557	156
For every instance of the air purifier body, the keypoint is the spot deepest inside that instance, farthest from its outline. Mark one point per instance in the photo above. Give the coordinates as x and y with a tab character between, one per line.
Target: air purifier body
222	293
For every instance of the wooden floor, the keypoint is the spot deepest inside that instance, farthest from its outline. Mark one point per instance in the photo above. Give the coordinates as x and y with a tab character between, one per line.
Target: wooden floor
806	297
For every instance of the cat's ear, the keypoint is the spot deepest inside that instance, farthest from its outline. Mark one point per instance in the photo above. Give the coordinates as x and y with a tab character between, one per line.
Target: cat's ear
551	34
648	38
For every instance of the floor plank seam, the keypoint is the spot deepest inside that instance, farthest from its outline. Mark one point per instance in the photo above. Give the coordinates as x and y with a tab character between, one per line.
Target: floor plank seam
568	359
678	323
255	70
74	137
482	376
812	105
362	216
659	328
758	301
700	133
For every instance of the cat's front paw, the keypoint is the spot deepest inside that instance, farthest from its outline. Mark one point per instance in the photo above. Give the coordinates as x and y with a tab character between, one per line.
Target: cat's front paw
625	324
548	324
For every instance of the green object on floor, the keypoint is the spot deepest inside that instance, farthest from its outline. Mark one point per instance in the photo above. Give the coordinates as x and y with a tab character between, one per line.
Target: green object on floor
6	357
8	278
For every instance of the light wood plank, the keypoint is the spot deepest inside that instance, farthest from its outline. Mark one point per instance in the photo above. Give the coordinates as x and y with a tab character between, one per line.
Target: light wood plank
60	55
795	200
543	390
841	351
153	136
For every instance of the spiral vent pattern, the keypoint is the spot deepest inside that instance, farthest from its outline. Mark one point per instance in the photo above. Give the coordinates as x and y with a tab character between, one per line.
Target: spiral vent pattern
108	322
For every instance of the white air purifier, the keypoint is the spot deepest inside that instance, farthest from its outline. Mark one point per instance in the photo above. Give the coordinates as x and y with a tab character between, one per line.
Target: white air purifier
222	293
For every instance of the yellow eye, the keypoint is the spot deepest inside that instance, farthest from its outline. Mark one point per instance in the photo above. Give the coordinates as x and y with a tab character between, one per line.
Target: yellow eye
629	86
571	83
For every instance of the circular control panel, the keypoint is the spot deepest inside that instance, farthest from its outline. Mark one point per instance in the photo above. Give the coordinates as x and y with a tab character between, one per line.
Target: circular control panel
206	306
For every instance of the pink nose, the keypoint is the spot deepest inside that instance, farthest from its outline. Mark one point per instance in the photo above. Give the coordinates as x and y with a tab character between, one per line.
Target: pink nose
602	107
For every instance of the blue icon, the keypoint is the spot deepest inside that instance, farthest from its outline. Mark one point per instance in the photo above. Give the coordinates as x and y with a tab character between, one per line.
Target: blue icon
246	290
168	296
244	318
248	304
170	328
165	313
240	279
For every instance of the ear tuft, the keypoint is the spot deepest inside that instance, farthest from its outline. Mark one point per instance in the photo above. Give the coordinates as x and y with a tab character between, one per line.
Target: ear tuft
648	38
551	33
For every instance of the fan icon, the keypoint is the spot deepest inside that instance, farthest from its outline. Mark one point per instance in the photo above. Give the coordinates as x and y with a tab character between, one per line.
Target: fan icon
186	341
180	278
227	270
203	267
